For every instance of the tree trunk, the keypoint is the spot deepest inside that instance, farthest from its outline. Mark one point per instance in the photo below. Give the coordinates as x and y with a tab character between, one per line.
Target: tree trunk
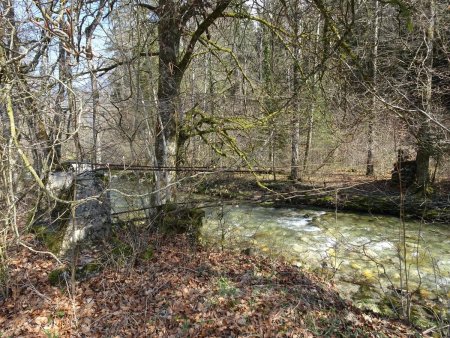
173	21
95	104
370	171
295	147
266	67
62	67
169	35
314	93
424	148
93	77
423	166
295	131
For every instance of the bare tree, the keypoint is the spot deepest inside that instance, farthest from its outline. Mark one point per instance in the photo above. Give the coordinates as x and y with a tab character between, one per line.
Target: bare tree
173	19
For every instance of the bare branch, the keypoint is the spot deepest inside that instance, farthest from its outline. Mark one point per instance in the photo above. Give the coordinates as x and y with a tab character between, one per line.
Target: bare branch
208	21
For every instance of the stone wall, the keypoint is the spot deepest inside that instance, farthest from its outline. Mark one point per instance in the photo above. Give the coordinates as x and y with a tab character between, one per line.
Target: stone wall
86	218
91	221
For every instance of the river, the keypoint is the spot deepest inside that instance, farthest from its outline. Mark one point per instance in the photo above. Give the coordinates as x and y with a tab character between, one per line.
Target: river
363	254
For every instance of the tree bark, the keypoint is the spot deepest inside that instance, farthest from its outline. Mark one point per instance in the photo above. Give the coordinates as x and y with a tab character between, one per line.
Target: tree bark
313	104
93	77
424	148
295	131
370	170
169	36
173	19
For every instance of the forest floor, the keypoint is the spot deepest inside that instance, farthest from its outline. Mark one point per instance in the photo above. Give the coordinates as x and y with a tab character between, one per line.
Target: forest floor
341	192
142	284
160	287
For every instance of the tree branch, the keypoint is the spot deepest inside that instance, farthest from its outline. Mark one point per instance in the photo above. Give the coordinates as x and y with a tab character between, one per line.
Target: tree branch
255	18
106	69
209	20
147	6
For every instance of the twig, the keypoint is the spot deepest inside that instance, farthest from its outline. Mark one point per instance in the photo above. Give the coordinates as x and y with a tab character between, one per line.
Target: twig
33	288
42	252
431	329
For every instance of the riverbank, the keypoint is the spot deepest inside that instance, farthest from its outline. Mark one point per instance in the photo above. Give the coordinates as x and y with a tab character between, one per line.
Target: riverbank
360	195
161	287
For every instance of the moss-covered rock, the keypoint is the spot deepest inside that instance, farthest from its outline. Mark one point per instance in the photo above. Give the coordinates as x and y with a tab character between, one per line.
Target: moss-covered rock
60	227
58	277
88	270
51	218
173	219
51	236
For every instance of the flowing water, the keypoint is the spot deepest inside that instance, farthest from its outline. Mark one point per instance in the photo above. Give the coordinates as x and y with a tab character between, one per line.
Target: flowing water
364	254
360	252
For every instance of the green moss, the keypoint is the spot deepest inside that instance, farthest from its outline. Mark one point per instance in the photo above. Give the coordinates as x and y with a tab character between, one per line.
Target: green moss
58	277
326	199
148	253
60	314
52	238
420	317
122	249
390	306
432	213
226	288
175	220
358	203
4	279
86	271
369	276
92	267
429	190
